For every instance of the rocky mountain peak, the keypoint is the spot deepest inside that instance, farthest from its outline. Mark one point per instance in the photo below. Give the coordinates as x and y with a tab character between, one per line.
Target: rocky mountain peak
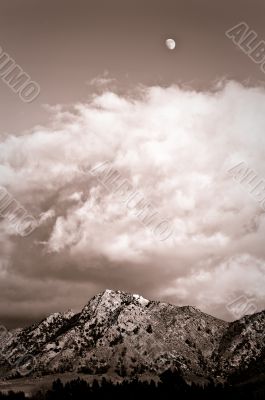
119	333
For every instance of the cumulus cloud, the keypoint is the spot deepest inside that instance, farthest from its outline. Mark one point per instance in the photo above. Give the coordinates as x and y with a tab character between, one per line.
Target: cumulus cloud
175	147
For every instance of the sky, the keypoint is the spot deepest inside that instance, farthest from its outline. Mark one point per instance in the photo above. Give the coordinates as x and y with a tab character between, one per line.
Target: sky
171	123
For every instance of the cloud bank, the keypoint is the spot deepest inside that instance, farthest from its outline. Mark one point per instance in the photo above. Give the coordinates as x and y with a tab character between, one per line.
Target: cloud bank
174	146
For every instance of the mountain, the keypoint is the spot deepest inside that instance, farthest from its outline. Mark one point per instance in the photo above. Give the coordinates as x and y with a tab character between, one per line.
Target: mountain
124	334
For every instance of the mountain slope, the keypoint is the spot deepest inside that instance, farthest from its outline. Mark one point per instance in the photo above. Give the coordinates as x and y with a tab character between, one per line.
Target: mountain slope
241	350
124	334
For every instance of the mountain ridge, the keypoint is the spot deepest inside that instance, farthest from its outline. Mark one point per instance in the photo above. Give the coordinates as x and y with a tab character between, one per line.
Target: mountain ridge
123	334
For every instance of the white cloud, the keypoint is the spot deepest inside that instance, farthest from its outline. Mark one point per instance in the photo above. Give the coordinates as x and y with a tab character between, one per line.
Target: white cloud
221	283
175	147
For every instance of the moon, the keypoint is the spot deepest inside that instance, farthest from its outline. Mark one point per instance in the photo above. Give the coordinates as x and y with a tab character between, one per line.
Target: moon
171	44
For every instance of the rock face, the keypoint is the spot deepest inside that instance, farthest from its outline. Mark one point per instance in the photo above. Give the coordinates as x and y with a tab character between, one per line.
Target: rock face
127	335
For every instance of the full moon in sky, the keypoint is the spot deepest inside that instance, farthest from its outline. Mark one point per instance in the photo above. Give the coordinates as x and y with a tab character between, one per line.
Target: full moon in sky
171	44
